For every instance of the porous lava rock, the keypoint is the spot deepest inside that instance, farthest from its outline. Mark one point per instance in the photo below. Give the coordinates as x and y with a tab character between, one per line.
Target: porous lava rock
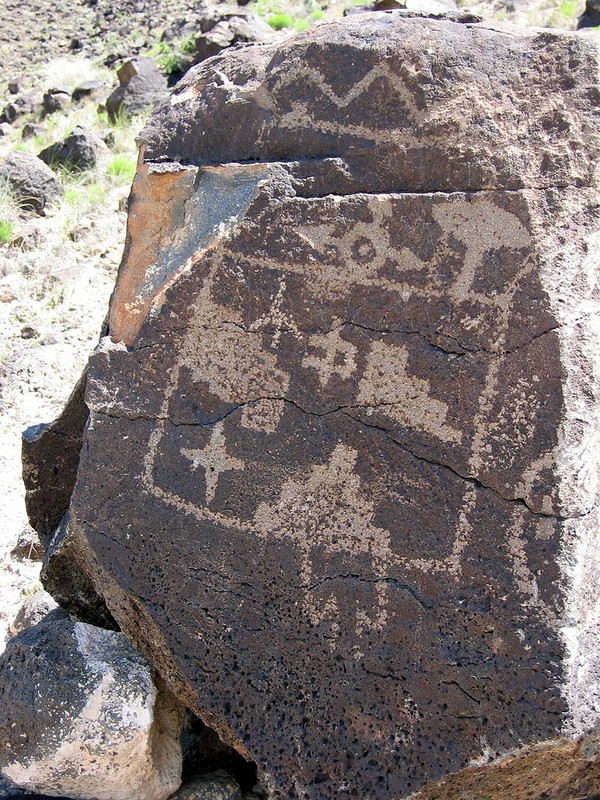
82	716
339	479
213	786
50	457
33	610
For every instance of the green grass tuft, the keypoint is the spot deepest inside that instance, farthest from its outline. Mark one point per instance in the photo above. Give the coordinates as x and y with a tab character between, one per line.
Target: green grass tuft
6	231
188	45
280	21
122	166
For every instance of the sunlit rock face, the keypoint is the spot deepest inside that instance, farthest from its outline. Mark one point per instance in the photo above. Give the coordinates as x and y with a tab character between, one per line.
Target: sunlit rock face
340	478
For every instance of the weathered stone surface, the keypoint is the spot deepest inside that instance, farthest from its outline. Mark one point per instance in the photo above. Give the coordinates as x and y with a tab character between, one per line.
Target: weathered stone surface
56	100
561	771
591	15
33	610
65	577
31	182
340	479
89	90
203	752
82	717
141	86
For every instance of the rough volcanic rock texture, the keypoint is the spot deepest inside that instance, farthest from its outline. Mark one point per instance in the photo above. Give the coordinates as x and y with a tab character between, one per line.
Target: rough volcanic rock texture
82	717
340	473
50	457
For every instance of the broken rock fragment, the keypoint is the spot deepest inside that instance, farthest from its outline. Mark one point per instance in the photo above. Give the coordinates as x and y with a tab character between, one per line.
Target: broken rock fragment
339	479
82	717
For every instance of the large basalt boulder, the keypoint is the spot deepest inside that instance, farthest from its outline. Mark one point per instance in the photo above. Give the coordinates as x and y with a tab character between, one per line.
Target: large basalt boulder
81	716
340	474
50	457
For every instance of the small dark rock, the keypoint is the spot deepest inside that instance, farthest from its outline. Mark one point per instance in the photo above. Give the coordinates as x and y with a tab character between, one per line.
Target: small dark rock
215	786
142	85
28	237
28	546
10	112
27	332
31	129
56	100
232	28
80	151
13	87
32	611
591	16
108	137
32	182
90	90
18	108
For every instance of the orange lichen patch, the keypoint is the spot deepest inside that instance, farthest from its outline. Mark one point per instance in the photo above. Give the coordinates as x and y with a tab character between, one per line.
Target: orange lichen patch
550	771
156	207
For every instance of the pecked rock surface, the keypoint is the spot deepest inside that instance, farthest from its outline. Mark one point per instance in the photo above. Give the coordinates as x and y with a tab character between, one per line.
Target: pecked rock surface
340	474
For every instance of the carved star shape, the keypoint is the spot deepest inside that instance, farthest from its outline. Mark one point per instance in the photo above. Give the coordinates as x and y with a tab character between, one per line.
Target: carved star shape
215	460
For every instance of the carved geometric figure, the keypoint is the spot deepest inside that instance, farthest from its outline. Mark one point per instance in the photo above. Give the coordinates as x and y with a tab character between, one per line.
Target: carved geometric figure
214	459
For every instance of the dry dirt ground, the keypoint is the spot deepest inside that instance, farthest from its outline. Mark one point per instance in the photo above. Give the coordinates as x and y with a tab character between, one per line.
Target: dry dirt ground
56	277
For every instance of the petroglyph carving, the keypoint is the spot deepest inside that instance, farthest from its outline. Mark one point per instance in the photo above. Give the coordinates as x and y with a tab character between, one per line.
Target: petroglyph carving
481	227
335	356
262	416
388	381
325	515
349	446
215	460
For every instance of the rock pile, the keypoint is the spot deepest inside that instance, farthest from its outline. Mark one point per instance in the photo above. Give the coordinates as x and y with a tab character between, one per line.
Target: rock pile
339	476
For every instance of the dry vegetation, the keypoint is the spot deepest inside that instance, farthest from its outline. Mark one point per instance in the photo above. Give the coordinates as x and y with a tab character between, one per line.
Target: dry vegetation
56	276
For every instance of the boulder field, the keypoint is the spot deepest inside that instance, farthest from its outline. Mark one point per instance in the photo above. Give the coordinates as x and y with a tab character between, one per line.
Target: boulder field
338	478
